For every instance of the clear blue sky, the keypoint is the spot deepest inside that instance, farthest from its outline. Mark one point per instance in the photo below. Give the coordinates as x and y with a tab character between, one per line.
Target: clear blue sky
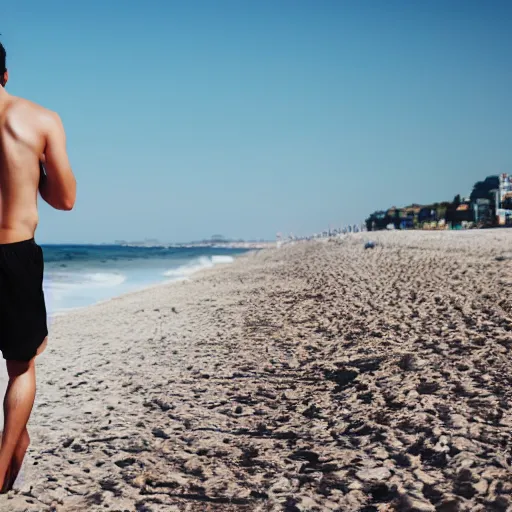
245	118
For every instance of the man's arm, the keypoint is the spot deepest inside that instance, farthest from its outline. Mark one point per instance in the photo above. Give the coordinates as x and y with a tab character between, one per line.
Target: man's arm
58	186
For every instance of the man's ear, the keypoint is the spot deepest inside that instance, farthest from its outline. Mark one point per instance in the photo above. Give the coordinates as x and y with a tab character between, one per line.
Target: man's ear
5	78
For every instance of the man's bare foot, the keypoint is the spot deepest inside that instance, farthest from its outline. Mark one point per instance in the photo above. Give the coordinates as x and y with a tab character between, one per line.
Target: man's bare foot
17	459
18	403
7	482
16	462
7	479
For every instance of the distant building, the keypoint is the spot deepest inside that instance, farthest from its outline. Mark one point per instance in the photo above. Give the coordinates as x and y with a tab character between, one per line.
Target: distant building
464	213
505	187
489	204
483	211
427	214
504	200
504	217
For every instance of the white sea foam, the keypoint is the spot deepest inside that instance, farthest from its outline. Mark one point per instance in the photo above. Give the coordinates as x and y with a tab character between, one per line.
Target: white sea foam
222	259
185	271
104	279
66	289
66	281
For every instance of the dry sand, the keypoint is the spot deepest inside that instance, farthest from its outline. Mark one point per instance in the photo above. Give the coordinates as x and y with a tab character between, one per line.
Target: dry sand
320	376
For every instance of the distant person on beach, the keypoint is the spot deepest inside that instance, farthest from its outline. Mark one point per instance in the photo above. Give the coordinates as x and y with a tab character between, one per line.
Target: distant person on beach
33	158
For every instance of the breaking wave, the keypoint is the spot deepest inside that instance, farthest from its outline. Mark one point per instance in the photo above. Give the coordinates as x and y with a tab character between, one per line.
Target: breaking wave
185	271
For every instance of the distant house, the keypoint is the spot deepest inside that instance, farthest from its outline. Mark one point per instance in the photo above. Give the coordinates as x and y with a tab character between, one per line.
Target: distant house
464	213
506	201
408	216
483	209
427	214
378	220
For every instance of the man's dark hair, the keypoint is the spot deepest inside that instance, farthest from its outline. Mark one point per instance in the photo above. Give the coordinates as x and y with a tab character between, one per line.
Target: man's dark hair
3	56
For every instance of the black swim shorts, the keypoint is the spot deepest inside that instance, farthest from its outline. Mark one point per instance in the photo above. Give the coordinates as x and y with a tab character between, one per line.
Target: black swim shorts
23	326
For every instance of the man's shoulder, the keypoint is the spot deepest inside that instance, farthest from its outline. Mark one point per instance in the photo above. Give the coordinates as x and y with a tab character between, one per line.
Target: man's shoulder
25	113
26	110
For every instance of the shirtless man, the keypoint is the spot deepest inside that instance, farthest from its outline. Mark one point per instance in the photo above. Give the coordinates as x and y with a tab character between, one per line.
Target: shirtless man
29	135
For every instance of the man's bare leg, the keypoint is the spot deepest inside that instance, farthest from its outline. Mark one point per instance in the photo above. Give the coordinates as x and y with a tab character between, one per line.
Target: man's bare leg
18	403
17	460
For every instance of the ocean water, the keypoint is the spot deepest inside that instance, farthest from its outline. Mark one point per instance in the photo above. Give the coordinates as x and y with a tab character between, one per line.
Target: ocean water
81	275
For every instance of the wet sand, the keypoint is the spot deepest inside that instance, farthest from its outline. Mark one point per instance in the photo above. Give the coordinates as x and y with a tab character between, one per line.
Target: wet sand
320	376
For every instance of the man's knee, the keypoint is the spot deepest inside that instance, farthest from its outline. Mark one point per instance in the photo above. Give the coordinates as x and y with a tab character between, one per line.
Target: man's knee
17	368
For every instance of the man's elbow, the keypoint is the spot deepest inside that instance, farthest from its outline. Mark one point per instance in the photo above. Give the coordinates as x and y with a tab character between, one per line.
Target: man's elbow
67	204
69	199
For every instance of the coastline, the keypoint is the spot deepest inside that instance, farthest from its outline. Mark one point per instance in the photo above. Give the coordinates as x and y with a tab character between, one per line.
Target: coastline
165	282
202	245
317	376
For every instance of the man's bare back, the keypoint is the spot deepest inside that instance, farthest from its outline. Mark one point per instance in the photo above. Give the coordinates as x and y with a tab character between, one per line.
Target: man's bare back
29	135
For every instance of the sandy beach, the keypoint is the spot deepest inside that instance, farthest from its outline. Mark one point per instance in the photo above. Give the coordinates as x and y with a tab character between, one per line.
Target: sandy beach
320	376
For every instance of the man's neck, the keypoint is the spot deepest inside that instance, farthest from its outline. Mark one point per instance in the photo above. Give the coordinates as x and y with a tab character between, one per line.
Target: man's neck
4	95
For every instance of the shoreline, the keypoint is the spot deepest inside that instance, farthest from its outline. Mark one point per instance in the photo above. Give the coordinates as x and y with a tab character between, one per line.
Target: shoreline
144	288
121	295
204	245
314	377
